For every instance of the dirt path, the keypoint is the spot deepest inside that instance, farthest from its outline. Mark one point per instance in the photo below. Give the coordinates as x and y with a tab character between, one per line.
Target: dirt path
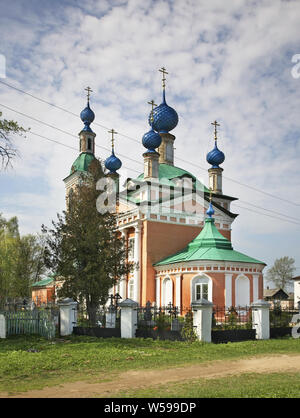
145	378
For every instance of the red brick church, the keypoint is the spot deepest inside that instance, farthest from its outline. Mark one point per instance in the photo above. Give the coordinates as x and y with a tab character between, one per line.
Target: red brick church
176	228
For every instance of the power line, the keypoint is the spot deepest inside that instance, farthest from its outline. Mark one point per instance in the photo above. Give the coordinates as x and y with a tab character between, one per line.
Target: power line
270	216
68	146
65	132
62	108
137	141
241	207
122	155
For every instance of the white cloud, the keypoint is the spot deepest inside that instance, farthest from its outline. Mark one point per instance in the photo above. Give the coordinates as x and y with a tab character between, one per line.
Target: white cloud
227	62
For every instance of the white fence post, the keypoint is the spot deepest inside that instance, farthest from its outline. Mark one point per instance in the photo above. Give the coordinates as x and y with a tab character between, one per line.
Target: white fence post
202	319
2	326
68	316
261	319
128	318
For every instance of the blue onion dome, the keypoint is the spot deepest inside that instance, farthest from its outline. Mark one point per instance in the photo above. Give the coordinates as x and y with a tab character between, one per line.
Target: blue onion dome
215	157
165	118
210	211
151	140
87	116
113	163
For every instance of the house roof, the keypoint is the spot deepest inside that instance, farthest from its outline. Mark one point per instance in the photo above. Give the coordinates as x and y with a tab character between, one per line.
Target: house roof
44	282
268	293
210	244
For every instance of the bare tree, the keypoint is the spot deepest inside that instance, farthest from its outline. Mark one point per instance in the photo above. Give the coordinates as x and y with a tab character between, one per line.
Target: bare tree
281	273
8	150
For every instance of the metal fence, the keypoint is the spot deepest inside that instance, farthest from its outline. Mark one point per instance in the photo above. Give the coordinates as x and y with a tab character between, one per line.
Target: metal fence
164	318
230	318
102	317
281	316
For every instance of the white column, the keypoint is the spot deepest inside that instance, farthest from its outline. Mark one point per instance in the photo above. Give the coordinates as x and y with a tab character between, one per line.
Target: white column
128	318
68	316
202	319
296	294
123	279
255	287
2	326
178	292
261	319
136	259
228	290
157	291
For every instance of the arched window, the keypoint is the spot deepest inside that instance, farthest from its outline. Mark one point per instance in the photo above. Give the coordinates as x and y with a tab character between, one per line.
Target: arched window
167	291
201	288
242	291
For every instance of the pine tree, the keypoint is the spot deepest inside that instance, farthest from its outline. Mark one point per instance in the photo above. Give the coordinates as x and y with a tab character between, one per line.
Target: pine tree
84	247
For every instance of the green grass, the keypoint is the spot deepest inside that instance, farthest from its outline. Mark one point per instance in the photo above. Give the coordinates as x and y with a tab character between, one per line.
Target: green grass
274	385
89	358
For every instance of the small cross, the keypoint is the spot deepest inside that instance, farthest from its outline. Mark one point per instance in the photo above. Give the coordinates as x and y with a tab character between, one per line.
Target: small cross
153	105
163	70
89	91
215	123
112	132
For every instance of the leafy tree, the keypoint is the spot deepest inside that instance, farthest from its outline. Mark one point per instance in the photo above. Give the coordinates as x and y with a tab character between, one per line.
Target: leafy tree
281	273
20	260
7	149
85	248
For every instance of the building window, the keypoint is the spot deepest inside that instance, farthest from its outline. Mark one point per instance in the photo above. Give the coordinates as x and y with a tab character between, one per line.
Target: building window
169	151
89	144
201	288
130	248
201	291
131	289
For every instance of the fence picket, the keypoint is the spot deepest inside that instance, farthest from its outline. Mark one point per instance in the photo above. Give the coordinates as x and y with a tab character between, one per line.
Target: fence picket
30	322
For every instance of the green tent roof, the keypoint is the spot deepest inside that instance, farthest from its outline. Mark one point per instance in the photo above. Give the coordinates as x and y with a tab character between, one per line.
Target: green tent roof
82	162
210	244
43	282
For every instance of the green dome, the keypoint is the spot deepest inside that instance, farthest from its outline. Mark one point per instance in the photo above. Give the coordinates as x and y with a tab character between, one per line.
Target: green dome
82	162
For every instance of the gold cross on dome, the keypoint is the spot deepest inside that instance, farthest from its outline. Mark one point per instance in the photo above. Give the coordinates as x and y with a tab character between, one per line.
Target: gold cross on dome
163	70
153	105
112	132
215	123
89	91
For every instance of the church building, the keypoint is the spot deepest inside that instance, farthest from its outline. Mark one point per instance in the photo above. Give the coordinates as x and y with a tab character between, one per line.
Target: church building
175	228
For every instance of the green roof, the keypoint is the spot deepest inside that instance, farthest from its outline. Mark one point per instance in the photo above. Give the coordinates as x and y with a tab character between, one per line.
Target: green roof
210	244
43	282
168	172
82	162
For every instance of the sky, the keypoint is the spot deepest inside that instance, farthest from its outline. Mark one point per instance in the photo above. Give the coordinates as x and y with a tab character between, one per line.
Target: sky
232	61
